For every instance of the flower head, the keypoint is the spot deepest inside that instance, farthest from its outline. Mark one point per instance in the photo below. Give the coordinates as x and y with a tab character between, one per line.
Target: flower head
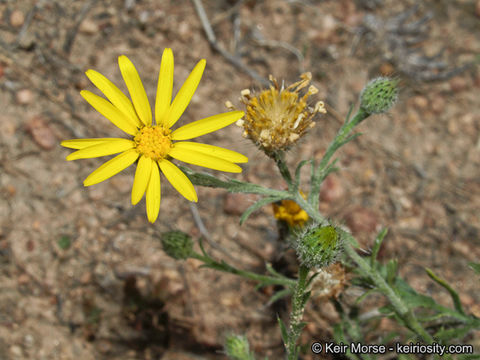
152	143
318	246
276	118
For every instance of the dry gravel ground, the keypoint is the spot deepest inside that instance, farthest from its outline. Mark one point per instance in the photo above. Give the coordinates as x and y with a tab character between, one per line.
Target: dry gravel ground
83	275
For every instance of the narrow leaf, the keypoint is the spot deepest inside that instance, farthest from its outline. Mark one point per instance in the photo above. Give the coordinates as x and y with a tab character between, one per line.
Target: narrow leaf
257	206
454	295
377	244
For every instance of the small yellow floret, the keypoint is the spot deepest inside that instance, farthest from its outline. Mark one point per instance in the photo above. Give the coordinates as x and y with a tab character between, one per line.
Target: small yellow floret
290	212
153	142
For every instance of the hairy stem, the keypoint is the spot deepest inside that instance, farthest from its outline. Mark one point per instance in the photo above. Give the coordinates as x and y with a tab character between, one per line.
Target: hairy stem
296	314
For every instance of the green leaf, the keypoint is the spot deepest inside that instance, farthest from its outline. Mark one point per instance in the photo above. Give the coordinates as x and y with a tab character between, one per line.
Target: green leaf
278	295
377	244
411	298
64	242
447	335
392	267
299	168
454	295
258	205
283	330
475	267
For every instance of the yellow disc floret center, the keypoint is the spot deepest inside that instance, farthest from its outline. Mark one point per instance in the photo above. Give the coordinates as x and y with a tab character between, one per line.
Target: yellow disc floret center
153	141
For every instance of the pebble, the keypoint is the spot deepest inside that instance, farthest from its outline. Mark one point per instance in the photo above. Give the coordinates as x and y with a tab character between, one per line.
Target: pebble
17	18
420	102
387	69
458	84
41	133
88	27
438	104
24	96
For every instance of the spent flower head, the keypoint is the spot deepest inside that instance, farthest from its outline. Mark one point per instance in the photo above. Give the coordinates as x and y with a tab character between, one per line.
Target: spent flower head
379	95
277	117
152	143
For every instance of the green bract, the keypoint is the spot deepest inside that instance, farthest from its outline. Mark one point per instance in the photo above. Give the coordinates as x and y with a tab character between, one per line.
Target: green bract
379	95
318	246
177	244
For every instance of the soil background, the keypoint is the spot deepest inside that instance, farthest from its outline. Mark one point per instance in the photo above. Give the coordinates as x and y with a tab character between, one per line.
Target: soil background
82	272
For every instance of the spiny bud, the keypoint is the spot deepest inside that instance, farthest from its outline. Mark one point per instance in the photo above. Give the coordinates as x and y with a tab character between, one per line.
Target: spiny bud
379	95
177	244
237	348
318	246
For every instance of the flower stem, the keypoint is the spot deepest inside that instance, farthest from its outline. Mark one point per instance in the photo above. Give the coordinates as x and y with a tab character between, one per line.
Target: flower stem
298	307
279	157
342	134
264	279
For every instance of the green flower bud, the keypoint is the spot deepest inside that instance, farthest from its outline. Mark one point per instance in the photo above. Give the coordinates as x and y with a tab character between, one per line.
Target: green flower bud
318	246
177	244
379	95
237	348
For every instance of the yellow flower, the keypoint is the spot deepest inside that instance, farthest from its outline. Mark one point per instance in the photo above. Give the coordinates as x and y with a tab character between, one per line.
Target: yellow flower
153	143
290	212
278	117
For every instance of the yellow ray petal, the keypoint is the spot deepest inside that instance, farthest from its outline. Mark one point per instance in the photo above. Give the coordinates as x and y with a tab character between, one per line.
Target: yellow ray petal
83	143
207	125
216	151
112	113
136	89
112	167
178	180
153	194
164	87
200	159
114	146
142	176
113	93
185	94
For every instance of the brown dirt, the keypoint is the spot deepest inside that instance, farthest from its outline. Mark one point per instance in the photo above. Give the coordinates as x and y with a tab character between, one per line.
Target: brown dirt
83	275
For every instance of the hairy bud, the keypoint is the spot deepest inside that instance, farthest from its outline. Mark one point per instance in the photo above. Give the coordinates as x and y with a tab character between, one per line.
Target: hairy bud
237	348
318	246
379	95
177	244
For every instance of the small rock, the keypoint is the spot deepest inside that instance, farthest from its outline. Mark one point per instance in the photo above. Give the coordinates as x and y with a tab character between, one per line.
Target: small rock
236	204
332	189
88	27
362	220
24	96
17	18
387	69
458	84
438	104
420	102
23	279
41	133
16	350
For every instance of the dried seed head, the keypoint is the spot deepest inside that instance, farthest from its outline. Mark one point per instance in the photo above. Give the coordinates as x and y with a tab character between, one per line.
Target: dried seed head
329	282
277	117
